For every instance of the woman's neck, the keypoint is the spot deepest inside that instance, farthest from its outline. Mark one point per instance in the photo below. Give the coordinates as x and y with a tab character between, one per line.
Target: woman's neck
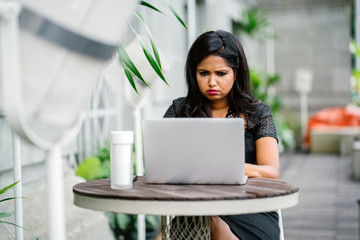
219	109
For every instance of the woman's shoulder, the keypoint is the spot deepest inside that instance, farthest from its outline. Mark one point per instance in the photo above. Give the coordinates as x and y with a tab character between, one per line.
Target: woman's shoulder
260	110
178	101
175	107
264	123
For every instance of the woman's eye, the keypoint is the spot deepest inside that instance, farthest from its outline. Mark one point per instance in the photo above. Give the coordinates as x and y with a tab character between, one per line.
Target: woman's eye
221	74
204	73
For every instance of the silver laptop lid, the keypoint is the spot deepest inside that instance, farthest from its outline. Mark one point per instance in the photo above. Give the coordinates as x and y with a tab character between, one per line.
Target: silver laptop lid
194	150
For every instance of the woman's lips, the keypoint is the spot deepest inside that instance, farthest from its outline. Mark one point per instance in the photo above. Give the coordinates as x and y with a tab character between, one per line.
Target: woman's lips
212	92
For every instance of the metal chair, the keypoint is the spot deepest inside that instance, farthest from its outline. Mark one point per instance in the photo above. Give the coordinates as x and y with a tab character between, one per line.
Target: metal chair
281	225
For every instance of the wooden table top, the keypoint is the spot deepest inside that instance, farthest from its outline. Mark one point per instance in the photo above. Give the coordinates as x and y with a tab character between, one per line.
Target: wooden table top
167	199
254	188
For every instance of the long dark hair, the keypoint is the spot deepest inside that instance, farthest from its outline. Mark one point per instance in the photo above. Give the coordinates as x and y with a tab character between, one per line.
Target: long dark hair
227	46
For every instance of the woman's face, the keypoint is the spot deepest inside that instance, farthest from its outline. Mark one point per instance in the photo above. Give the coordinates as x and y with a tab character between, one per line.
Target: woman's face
215	78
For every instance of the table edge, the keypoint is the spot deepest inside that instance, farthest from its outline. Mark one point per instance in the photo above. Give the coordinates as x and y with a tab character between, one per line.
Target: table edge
187	208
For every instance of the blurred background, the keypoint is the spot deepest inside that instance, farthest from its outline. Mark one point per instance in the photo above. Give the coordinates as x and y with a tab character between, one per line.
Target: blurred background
302	56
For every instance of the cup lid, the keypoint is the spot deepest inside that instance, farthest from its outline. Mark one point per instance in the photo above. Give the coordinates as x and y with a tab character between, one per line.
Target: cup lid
125	137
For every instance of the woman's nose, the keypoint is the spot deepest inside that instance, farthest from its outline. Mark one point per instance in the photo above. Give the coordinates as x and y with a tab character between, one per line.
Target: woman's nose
212	80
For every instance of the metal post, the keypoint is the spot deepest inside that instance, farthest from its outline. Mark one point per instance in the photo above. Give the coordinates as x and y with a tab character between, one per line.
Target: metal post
55	194
303	113
19	233
303	84
139	167
359	215
139	158
138	142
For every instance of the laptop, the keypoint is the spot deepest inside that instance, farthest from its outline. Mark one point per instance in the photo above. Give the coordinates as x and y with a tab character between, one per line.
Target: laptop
194	151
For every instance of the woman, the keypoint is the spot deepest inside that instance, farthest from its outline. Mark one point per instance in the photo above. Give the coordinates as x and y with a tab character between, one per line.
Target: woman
217	76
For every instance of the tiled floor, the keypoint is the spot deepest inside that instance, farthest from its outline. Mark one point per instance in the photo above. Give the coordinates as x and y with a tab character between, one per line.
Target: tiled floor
328	206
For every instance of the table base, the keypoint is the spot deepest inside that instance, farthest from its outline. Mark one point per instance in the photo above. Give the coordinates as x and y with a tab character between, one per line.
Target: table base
184	228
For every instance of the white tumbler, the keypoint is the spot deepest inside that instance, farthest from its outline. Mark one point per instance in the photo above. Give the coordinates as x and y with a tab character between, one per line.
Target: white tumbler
121	151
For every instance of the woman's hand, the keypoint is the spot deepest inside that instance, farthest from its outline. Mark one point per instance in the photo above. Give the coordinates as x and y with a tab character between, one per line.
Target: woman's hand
267	157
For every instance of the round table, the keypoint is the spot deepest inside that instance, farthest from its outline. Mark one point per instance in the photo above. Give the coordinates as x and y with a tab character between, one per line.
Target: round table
257	195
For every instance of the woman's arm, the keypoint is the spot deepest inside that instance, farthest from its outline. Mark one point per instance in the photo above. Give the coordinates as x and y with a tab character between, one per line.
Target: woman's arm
267	158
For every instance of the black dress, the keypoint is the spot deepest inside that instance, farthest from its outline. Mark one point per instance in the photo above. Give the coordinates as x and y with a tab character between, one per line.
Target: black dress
260	226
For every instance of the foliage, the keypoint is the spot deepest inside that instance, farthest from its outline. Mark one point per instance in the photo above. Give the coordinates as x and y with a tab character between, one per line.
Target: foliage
7	214
253	23
153	58
122	225
262	85
95	167
355	77
125	225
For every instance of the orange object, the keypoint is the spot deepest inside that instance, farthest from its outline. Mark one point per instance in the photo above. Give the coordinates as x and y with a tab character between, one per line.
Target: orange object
330	118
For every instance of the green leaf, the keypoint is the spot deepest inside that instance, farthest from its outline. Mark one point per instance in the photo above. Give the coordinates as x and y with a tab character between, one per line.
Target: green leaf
124	221
111	219
253	21
152	221
176	14
89	168
20	227
7	199
127	61
104	171
104	154
130	77
149	57
146	4
356	73
5	214
272	79
355	48
155	51
142	20
3	190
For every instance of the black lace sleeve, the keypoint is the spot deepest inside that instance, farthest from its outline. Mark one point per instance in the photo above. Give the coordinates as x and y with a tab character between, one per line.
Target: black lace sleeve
173	109
265	126
171	112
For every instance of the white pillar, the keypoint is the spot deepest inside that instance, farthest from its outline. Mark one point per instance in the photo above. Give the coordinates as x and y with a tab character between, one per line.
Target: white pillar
191	19
55	194
139	155
19	233
303	113
303	85
270	52
138	142
9	69
139	163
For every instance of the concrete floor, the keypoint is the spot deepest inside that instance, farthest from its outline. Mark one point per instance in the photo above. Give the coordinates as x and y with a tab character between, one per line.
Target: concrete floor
328	206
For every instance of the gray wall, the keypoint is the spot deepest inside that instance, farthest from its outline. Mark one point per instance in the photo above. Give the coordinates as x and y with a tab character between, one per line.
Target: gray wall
314	35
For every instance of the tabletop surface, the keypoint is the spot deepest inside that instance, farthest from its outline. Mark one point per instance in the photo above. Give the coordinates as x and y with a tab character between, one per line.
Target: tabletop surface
254	188
257	195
